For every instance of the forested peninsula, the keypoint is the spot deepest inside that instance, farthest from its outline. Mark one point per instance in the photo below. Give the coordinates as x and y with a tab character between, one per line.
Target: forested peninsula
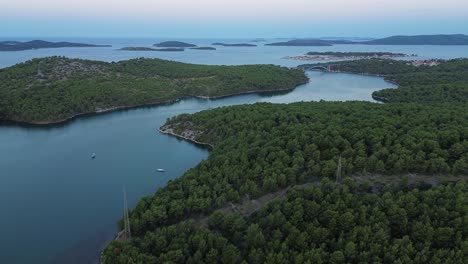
269	191
446	82
55	89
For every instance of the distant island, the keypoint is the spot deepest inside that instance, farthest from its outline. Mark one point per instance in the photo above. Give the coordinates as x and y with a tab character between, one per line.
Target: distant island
41	44
56	89
203	48
302	42
456	39
234	45
328	56
174	44
150	49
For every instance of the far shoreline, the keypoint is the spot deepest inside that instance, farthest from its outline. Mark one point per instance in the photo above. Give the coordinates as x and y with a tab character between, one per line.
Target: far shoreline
64	121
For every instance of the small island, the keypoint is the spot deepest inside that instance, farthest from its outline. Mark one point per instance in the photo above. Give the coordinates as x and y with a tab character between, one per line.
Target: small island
234	45
174	44
150	49
203	48
330	56
41	44
302	43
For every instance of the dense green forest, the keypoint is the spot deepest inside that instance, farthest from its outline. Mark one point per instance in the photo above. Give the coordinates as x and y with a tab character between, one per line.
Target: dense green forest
267	148
447	82
325	224
263	148
56	88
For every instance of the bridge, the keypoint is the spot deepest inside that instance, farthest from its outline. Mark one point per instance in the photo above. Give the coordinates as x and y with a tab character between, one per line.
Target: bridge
326	68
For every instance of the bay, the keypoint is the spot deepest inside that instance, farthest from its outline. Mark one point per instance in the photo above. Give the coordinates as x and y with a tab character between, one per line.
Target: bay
61	206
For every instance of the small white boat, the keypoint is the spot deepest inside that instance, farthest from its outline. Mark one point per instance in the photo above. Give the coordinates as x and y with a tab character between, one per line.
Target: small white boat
160	170
93	155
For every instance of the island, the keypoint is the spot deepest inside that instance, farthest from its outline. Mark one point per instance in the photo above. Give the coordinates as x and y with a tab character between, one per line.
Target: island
234	45
330	56
56	89
302	43
41	44
174	44
150	49
203	48
455	39
318	182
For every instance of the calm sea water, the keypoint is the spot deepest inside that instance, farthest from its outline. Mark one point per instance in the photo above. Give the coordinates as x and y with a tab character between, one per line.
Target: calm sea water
60	206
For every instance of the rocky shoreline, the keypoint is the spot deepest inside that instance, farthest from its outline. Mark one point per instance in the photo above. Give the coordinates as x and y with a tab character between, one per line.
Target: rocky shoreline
186	135
118	108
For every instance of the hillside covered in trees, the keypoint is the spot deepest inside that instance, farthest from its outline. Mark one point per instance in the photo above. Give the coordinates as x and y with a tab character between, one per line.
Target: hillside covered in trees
446	82
325	224
56	88
266	148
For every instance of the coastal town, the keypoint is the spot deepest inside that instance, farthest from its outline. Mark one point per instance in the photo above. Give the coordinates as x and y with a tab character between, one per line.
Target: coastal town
334	56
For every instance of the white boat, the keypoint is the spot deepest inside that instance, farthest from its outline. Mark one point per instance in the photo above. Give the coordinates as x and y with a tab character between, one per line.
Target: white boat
93	155
160	170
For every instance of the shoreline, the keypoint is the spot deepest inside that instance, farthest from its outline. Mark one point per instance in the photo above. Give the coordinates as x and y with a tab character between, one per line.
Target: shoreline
377	98
63	121
163	131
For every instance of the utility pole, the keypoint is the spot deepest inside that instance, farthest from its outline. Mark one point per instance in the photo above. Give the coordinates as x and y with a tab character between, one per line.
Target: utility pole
127	232
338	172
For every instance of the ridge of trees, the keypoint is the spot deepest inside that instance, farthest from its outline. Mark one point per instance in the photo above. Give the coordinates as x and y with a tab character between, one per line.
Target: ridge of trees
56	88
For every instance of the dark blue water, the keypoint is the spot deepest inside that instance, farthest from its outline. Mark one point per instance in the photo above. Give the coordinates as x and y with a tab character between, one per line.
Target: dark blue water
60	206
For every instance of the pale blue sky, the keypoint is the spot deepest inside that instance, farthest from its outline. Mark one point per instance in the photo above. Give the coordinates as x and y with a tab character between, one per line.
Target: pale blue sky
230	18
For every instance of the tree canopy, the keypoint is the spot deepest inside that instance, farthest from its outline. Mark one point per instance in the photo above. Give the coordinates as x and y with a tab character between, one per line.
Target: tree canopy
56	88
265	148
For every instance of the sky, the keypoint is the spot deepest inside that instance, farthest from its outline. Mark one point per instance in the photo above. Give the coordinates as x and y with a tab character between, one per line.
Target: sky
230	18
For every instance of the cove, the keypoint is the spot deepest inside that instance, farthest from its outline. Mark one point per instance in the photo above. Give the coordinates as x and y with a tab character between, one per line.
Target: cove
61	206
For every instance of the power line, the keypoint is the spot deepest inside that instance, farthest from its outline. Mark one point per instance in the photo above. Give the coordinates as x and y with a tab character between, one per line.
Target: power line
127	232
339	178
